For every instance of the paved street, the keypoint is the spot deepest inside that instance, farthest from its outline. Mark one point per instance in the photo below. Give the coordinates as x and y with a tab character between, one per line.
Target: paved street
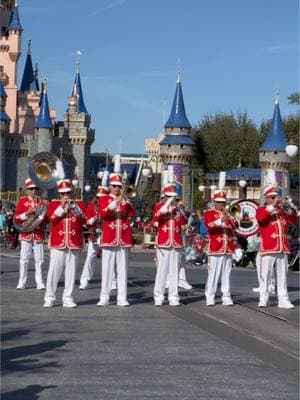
190	352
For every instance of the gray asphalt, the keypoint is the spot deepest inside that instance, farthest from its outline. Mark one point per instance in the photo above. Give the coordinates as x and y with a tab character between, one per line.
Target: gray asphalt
144	352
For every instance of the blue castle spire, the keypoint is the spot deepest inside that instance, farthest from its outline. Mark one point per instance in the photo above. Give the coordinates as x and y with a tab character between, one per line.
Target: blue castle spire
14	23
44	120
178	118
276	139
29	81
77	90
3	95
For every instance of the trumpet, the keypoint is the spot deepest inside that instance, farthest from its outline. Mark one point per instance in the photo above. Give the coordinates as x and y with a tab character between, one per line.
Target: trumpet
73	206
287	205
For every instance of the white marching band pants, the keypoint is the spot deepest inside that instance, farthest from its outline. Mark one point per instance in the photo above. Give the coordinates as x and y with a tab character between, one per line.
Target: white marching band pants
111	257
272	280
90	263
38	251
218	265
182	271
58	260
267	265
168	261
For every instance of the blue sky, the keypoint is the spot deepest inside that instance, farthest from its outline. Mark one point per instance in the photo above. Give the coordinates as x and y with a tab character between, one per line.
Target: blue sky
232	55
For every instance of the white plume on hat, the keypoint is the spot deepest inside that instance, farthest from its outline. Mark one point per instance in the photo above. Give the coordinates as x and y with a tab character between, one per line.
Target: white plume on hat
222	180
117	163
105	177
271	178
165	177
60	173
170	173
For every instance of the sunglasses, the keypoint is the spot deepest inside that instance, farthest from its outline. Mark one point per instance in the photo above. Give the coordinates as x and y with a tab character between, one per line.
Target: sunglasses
272	197
116	186
32	189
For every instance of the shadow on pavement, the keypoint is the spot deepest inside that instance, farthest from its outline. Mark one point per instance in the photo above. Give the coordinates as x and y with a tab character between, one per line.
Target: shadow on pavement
11	335
29	393
11	362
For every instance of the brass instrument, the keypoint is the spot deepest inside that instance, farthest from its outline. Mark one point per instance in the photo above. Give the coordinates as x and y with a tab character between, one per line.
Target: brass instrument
287	205
234	210
44	169
73	206
34	220
128	193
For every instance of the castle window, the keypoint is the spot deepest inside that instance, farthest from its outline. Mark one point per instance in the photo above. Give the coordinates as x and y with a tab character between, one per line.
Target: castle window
169	145
181	146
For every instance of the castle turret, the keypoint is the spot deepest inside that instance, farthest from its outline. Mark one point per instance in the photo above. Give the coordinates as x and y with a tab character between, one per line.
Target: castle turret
272	155
29	97
81	136
10	44
4	131
176	148
44	125
29	82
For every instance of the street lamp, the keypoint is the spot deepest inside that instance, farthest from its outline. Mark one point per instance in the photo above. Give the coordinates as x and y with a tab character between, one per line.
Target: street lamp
243	190
291	149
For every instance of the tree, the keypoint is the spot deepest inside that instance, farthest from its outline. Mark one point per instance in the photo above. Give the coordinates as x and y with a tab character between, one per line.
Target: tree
294	98
224	141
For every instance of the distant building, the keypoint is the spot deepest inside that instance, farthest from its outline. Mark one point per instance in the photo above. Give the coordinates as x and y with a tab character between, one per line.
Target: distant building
175	147
28	125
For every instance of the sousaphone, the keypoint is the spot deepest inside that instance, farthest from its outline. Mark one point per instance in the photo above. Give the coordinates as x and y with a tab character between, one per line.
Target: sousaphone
44	169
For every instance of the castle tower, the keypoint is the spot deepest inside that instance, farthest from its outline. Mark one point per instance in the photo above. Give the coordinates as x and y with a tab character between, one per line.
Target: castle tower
77	123
10	50
272	155
44	125
4	130
28	97
176	148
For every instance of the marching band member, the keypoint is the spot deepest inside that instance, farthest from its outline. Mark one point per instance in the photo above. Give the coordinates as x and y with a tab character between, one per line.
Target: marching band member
220	226
93	222
33	240
273	220
93	246
116	212
170	223
67	217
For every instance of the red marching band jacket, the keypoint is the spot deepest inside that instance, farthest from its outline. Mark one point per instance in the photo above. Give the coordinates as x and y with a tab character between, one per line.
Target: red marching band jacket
66	230
220	237
169	232
273	229
116	229
24	204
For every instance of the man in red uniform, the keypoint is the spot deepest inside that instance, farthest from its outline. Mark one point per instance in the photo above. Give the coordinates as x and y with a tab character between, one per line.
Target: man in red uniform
220	226
32	240
273	221
93	223
170	223
116	213
67	218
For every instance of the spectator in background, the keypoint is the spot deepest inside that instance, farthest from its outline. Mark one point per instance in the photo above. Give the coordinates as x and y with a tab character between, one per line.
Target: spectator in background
202	230
12	233
2	218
